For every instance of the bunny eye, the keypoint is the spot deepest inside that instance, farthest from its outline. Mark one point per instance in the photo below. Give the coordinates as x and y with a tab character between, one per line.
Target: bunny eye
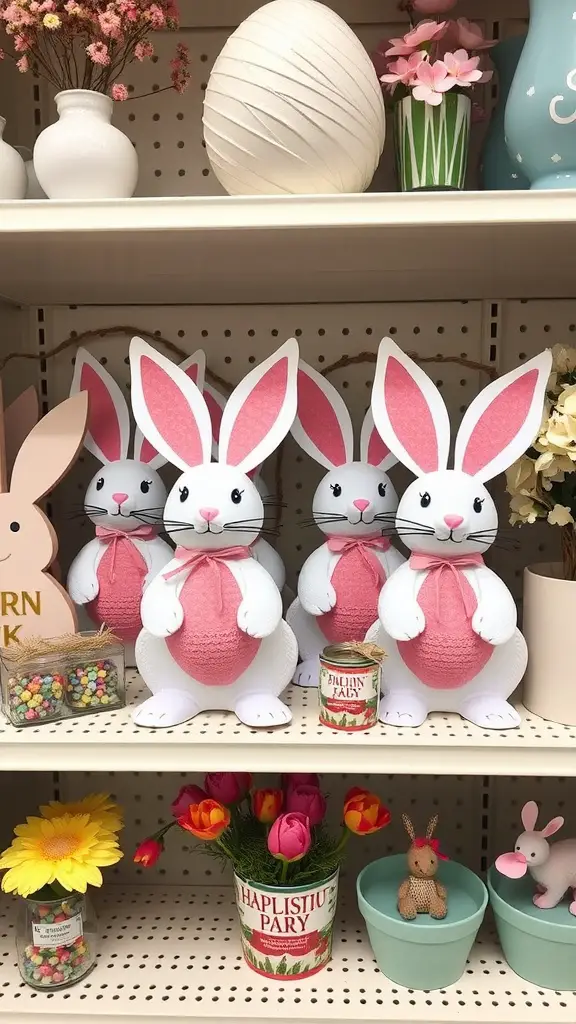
336	490
14	527
184	493
382	490
478	503
145	486
532	854
100	483
517	849
236	496
425	499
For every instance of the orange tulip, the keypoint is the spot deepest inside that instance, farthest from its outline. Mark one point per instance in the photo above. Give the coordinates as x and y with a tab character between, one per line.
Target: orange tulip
364	812
267	804
206	820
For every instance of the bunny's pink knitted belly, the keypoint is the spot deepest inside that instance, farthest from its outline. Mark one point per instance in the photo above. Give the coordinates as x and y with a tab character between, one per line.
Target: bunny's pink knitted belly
357	594
120	578
448	654
209	645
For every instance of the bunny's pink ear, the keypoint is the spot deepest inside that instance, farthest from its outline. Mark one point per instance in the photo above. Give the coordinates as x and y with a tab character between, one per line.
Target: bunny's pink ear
409	411
260	411
552	827
503	420
322	427
108	434
169	408
529	815
194	367
372	447
216	404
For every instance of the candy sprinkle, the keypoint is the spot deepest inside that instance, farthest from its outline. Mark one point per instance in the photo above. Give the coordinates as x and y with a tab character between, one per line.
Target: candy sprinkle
32	697
92	686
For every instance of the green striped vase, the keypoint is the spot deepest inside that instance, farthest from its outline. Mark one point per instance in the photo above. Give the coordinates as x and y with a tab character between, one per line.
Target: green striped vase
432	142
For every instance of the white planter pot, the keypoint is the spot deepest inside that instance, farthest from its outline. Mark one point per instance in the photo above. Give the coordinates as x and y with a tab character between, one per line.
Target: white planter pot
13	180
548	625
82	155
293	105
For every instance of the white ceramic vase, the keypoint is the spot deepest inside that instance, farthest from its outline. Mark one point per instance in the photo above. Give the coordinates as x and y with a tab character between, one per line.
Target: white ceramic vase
82	155
13	180
293	105
548	624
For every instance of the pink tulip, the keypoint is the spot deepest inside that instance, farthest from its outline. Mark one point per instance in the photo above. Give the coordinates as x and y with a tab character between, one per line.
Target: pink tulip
424	32
228	787
404	69
307	800
187	795
433	81
470	35
433	6
291	779
289	839
462	68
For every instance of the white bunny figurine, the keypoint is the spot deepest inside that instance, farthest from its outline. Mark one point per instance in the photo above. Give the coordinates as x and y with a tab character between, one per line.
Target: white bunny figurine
447	622
213	635
262	551
125	500
553	868
340	582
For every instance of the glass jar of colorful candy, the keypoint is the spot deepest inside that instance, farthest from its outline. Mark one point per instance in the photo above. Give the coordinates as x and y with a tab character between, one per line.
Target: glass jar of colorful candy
56	940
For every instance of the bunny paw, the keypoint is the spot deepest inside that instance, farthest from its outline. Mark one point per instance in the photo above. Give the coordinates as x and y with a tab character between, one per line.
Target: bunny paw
260	710
491	713
85	592
165	709
402	709
308	673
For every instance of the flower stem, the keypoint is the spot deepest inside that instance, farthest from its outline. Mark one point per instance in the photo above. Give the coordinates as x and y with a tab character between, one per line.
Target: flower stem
343	840
284	872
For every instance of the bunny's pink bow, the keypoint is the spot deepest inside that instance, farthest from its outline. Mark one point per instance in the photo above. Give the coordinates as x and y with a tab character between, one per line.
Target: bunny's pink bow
212	559
343	545
434	844
116	537
437	565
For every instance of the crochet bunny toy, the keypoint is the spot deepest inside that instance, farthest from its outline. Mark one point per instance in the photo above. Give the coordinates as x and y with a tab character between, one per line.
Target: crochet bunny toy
553	868
213	635
340	582
447	622
262	551
124	499
421	893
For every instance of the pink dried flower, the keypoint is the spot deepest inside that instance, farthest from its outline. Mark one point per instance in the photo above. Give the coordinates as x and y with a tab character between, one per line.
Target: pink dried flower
21	43
424	32
432	82
98	53
462	68
47	6
180	76
143	50
2	55
23	64
110	24
155	16
470	35
119	92
403	71
434	6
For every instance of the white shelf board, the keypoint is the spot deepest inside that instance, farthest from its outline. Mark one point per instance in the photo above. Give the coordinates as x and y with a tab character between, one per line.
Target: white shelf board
187	965
224	249
216	741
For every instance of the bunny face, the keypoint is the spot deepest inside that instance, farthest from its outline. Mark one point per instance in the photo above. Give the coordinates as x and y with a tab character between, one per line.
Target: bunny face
125	495
355	500
422	861
447	513
23	528
533	847
214	507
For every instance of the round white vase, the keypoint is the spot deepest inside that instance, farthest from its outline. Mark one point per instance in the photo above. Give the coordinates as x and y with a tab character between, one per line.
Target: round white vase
293	105
82	155
13	180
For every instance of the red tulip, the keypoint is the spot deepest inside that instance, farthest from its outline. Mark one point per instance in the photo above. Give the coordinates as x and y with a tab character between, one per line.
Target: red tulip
148	852
267	804
309	801
289	838
187	795
292	779
228	787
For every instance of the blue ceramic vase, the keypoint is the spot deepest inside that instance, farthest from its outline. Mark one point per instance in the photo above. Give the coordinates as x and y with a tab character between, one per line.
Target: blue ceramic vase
540	120
498	169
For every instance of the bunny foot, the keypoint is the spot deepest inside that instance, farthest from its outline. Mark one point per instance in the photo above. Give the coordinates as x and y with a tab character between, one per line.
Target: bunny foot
308	673
491	713
260	710
402	709
165	709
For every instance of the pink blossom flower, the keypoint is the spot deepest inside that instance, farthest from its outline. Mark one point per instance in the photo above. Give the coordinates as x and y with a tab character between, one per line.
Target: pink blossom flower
119	92
21	43
433	81
98	53
404	70
434	6
156	16
143	50
424	32
128	9
462	67
23	64
470	35
110	24
289	838
227	787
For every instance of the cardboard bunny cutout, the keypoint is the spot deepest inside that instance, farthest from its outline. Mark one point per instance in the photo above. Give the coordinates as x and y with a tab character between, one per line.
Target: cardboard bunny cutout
340	582
32	602
262	551
553	868
125	500
213	635
447	622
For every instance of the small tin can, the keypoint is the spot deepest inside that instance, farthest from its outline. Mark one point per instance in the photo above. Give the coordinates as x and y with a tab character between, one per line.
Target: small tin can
349	690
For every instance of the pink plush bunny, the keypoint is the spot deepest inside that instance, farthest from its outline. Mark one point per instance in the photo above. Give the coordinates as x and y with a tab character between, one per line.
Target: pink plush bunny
553	868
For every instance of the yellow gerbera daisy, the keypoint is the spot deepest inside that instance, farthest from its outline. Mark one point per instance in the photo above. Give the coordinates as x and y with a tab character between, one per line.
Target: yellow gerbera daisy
70	850
100	806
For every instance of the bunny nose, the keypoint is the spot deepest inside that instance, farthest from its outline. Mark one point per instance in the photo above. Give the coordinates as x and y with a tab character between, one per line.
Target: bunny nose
361	504
453	521
209	513
119	498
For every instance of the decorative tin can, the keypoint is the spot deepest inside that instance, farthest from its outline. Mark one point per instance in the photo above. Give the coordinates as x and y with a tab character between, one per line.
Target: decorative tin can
287	930
349	690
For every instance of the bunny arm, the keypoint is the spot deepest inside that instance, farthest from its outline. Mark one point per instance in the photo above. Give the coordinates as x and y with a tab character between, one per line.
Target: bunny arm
495	617
160	610
156	554
82	583
398	610
260	610
315	591
269	558
390	560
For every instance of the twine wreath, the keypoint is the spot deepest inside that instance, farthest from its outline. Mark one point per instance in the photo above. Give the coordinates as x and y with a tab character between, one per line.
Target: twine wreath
74	340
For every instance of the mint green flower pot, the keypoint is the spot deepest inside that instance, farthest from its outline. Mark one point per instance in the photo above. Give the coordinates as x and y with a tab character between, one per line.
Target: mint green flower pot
421	954
539	945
